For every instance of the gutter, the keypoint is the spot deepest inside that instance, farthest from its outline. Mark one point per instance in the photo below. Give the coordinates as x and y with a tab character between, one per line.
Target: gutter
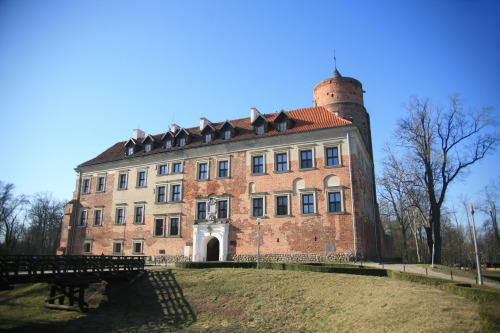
352	200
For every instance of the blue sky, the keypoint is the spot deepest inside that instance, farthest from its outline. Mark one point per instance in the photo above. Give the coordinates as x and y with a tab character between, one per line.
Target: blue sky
78	76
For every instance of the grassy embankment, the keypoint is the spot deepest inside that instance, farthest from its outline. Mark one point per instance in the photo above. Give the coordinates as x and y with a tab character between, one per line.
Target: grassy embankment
227	299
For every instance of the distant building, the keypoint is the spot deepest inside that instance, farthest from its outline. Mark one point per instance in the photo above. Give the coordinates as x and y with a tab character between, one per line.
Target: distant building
197	193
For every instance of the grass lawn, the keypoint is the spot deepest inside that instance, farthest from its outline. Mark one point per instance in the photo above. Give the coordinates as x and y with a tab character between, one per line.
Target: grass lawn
246	300
492	276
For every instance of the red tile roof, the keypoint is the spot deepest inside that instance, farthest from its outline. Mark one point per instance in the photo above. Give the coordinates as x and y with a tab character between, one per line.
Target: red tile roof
306	119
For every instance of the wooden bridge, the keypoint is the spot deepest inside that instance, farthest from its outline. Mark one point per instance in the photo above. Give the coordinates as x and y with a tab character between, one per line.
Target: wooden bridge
68	276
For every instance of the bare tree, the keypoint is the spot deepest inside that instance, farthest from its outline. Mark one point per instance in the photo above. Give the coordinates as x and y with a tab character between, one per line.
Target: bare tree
441	144
45	214
491	199
11	216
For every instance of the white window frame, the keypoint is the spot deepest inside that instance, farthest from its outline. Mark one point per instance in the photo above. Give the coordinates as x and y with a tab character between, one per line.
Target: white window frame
170	217
165	186
80	215
166	169
339	151
137	184
143	218
197	210
85	188
172	167
313	157
223	159
120	241
89	243
288	195
98	209
120	174
117	216
312	192
334	189
156	219
103	184
171	192
258	154
288	160
258	196
198	166
227	209
137	241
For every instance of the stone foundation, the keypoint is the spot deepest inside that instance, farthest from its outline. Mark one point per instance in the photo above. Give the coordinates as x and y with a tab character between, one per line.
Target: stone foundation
298	257
168	258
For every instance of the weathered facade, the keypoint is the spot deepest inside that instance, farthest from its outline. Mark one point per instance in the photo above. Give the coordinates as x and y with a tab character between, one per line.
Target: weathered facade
198	193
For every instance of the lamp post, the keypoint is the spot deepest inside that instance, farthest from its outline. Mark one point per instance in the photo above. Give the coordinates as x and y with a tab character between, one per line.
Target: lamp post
258	243
478	261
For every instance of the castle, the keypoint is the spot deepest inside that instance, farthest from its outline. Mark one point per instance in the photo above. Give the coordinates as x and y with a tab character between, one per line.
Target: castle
299	181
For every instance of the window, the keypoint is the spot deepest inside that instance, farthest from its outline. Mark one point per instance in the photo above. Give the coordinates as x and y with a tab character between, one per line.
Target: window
161	194
168	144
282	126
163	169
147	148
120	216
174	226
87	246
130	151
307	203
258	207
98	217
259	130
117	247
122	181
139	215
176	193
281	162
208	137
159	227
334	202
282	205
332	156
86	186
258	164
202	171
100	184
222	209
223	169
227	135
141	179
306	159
182	142
177	167
137	246
83	218
202	210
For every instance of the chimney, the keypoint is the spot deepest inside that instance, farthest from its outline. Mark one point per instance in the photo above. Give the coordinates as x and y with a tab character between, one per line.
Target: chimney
175	128
203	122
254	113
138	134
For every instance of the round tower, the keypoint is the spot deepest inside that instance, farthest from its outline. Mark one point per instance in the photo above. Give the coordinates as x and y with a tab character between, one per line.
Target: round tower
344	97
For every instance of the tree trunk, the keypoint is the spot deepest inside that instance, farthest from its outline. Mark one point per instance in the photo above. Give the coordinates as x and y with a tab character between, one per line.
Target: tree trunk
428	232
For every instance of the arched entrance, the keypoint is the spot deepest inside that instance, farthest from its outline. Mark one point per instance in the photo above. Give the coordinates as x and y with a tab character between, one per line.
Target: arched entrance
213	250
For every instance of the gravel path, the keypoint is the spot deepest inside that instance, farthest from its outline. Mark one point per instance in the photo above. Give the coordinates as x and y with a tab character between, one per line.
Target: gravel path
412	268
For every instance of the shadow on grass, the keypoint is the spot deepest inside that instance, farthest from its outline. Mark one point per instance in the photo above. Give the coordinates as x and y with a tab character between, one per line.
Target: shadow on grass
154	303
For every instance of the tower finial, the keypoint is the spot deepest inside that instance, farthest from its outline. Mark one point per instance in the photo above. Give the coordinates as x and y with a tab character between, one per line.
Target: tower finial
335	72
335	59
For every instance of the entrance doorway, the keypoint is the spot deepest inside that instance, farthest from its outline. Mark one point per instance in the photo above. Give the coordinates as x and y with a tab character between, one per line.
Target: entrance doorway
213	249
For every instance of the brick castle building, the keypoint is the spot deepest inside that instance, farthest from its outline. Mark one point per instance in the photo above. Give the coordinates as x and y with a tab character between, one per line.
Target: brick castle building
199	193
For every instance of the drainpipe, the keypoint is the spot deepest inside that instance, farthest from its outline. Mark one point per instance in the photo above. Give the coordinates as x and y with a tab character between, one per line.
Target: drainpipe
352	200
373	210
77	204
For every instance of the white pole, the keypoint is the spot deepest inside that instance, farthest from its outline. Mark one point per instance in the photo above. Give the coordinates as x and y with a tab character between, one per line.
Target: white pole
258	243
478	261
352	200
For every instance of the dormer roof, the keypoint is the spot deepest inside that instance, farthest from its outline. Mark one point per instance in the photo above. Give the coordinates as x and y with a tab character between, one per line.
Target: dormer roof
225	125
151	139
182	132
260	119
282	115
168	135
208	127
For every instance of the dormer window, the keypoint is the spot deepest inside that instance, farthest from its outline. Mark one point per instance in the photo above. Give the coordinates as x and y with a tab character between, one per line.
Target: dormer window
227	135
259	130
168	144
182	142
130	151
147	148
207	137
227	131
283	121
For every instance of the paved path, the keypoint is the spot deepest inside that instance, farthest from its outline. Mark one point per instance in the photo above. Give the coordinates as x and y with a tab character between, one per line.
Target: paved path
412	268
